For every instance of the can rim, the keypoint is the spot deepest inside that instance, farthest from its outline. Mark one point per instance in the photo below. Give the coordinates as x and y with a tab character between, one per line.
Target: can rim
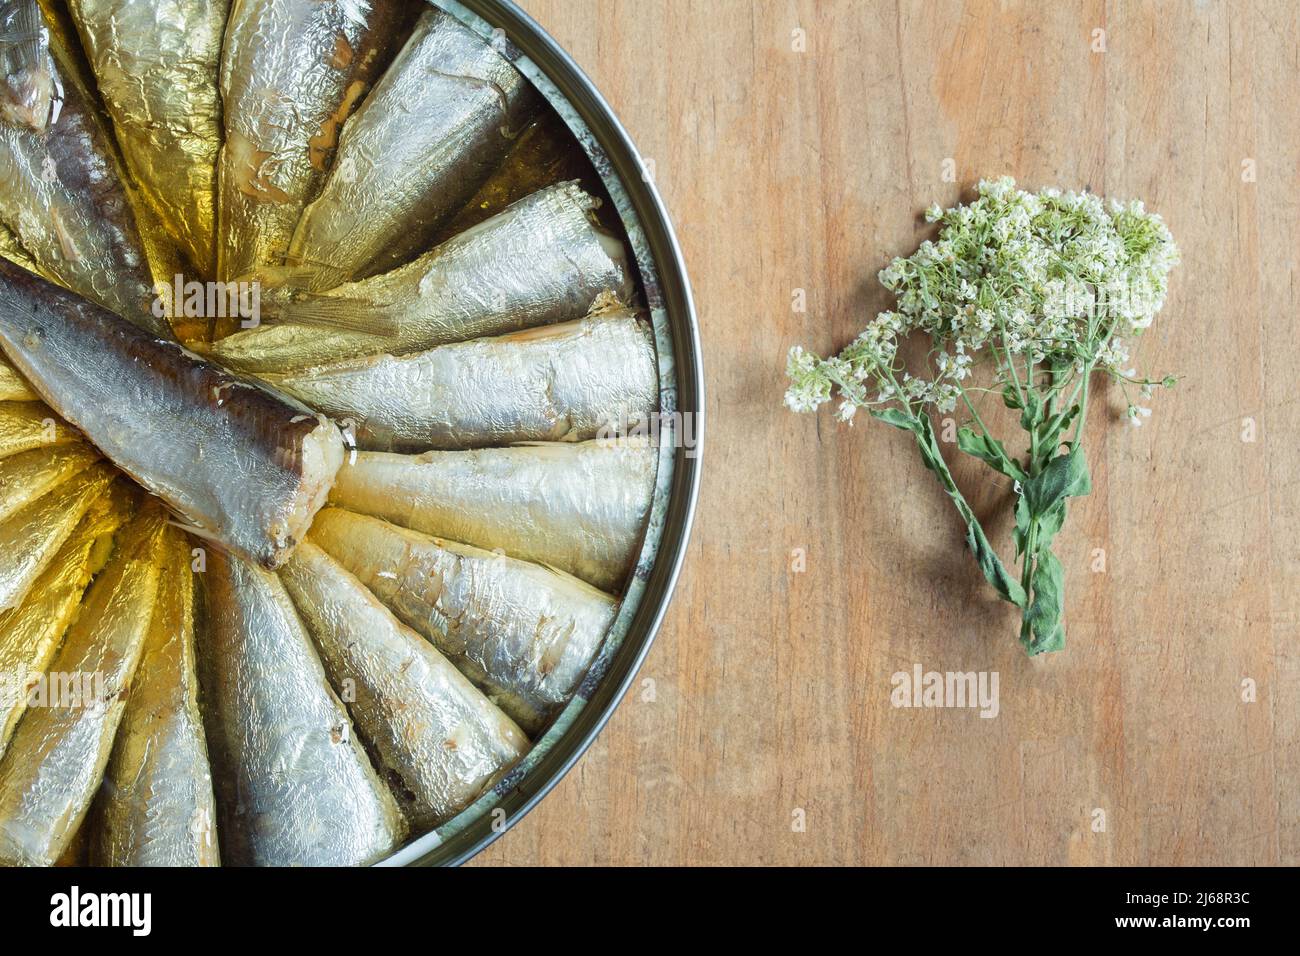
582	95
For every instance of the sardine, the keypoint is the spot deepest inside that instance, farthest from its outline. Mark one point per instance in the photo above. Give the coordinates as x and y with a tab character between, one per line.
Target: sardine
63	195
56	759
156	807
13	387
566	382
578	508
245	466
156	63
433	128
291	72
523	633
30	538
26	477
436	738
28	425
294	786
32	632
30	91
542	261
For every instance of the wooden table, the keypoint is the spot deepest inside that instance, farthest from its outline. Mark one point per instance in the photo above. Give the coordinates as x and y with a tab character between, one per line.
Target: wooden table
762	730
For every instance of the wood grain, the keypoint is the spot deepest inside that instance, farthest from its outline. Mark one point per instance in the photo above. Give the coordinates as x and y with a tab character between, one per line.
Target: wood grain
788	170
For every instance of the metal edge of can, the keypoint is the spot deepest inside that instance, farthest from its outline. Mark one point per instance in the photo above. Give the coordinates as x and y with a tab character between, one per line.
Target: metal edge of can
669	291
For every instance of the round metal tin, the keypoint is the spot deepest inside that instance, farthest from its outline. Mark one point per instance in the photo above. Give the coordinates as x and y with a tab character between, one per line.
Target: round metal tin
668	298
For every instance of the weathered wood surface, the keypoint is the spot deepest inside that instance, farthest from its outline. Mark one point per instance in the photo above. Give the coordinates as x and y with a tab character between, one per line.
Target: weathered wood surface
788	170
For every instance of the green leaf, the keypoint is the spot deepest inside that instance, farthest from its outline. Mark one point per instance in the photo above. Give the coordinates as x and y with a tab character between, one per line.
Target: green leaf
1024	521
931	454
1066	476
1010	397
990	451
1049	526
995	572
1045	615
896	417
1066	417
1050	431
1032	412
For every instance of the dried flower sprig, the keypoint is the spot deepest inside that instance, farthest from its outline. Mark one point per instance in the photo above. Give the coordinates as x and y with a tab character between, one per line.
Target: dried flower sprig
1043	291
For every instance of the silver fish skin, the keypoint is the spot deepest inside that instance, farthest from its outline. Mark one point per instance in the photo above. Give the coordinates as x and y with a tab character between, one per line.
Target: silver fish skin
30	91
566	382
29	476
523	633
542	260
27	425
291	73
56	759
64	197
31	633
294	786
13	387
247	467
32	537
580	508
156	63
431	131
435	736
156	806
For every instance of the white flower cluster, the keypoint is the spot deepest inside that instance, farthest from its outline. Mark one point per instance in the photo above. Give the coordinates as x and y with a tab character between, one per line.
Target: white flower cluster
814	387
1048	279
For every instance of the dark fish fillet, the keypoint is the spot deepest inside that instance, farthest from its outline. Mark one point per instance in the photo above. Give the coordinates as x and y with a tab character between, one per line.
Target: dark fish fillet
245	466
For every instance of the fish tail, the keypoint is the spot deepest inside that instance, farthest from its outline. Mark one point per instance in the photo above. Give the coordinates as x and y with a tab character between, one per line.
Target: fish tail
313	275
351	315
